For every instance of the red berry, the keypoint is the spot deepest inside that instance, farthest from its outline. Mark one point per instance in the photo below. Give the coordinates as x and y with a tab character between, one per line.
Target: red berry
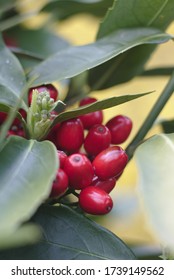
79	170
52	135
62	157
110	162
53	132
49	87
95	201
120	127
106	185
3	117
87	100
70	135
97	139
93	118
10	41
60	184
10	133
16	121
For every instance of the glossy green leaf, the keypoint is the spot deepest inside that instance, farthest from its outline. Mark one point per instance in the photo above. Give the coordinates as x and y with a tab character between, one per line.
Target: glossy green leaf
45	44
155	161
74	60
130	14
12	77
64	9
68	235
99	105
140	13
7	97
27	169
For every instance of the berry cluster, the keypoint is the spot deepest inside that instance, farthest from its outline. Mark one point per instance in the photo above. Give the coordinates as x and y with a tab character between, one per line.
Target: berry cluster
90	159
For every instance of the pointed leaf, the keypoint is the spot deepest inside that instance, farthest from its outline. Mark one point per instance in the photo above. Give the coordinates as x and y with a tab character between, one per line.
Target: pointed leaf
27	169
69	235
12	77
99	105
130	14
45	44
162	71
140	13
155	161
74	60
64	9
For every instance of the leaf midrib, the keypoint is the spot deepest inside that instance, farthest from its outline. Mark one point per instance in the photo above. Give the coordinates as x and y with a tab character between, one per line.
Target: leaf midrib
73	249
157	13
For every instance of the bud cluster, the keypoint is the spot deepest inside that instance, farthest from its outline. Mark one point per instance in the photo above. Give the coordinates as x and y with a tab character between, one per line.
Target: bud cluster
39	114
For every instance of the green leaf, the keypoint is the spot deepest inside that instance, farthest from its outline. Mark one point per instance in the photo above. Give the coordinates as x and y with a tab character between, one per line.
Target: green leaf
130	14
69	235
161	71
140	13
167	126
74	60
155	161
5	6
27	169
64	9
7	97
120	69
12	77
98	105
35	45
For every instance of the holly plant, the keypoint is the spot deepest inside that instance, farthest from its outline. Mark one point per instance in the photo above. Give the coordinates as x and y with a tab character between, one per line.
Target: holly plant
58	162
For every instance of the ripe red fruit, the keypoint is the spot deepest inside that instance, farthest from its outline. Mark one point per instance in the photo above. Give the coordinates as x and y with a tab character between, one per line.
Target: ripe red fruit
120	127
62	157
95	201
3	117
97	139
52	135
93	118
110	162
9	41
79	170
16	121
106	185
70	135
87	100
60	184
49	87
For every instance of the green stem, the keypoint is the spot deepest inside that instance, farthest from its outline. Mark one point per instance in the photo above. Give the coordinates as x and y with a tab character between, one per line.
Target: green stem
149	121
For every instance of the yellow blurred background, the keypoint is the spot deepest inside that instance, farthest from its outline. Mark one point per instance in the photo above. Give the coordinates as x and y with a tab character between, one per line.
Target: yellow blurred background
127	219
